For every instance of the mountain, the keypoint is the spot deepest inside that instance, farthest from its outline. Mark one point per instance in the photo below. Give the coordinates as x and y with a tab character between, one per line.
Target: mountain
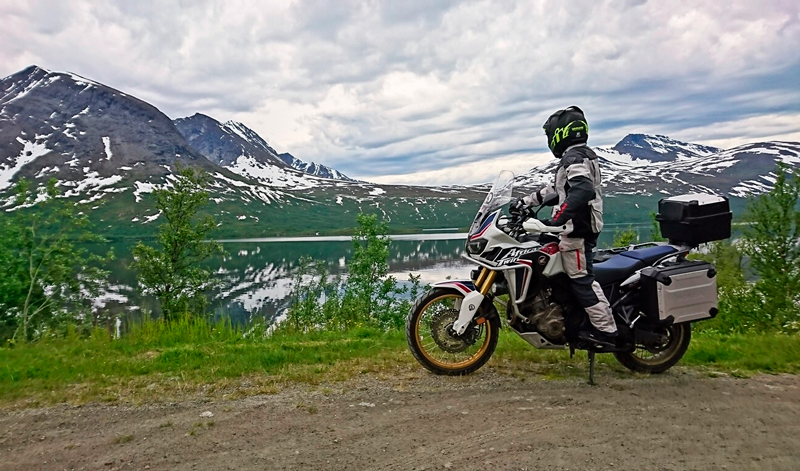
633	180
660	148
87	135
224	144
242	150
313	168
111	149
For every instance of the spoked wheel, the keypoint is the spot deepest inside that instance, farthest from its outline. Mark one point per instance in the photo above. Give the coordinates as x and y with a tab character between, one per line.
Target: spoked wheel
659	358
430	335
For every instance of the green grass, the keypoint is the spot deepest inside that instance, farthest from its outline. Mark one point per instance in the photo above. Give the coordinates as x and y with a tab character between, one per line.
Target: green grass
158	362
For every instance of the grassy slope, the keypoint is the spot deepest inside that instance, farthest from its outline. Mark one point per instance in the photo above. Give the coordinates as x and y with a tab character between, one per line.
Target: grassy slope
155	363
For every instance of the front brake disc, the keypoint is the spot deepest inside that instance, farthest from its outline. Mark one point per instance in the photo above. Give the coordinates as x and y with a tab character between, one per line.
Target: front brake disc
444	335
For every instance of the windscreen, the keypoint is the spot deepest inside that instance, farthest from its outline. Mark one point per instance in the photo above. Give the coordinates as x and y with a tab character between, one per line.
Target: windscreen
498	196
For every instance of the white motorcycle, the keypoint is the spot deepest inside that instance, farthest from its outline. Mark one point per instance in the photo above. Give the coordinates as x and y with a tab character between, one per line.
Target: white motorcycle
654	291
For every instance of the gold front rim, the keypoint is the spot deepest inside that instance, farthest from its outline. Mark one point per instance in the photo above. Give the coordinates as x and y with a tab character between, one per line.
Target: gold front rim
432	317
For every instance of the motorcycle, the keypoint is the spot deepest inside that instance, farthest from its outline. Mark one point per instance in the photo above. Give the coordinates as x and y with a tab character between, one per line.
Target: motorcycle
655	292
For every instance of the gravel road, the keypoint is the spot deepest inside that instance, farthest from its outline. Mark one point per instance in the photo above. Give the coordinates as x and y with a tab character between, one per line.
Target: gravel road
680	420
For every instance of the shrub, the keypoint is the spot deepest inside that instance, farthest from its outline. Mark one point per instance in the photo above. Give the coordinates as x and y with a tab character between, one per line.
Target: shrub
369	296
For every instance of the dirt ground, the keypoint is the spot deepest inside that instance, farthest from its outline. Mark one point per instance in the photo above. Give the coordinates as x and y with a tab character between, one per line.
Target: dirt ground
676	421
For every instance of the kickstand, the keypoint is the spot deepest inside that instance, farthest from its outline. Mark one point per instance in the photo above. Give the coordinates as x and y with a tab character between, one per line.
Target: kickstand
591	367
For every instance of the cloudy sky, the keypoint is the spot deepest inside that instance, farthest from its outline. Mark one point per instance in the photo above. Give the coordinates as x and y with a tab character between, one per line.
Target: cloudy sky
432	92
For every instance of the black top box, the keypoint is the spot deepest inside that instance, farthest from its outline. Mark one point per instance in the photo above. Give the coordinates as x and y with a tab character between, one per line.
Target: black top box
694	219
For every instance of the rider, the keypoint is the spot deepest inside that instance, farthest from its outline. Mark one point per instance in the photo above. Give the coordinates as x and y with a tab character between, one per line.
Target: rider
580	210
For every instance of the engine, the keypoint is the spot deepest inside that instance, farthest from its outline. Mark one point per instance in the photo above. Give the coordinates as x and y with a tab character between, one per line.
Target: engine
543	316
550	322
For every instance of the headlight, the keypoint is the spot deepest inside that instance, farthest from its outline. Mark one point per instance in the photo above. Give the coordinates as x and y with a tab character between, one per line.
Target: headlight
476	246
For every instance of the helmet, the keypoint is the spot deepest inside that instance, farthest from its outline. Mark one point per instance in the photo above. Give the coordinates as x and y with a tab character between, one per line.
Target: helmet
565	128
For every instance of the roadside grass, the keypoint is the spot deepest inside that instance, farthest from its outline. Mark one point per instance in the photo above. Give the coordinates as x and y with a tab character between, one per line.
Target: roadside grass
157	362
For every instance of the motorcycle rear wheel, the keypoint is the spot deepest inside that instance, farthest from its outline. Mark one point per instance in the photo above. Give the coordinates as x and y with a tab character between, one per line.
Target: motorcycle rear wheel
644	360
434	344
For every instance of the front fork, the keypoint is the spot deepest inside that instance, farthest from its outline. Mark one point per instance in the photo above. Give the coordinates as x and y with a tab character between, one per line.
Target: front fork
472	300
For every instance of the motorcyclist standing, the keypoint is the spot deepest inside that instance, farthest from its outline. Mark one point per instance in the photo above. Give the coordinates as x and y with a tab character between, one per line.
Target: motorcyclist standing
580	210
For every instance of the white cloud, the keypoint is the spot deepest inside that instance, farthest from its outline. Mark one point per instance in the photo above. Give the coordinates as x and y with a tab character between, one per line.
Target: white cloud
409	88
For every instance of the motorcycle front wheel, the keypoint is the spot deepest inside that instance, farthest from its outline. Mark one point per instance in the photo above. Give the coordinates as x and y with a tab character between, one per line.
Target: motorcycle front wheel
656	359
430	335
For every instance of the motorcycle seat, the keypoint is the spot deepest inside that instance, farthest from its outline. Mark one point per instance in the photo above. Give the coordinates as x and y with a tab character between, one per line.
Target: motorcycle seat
616	268
650	255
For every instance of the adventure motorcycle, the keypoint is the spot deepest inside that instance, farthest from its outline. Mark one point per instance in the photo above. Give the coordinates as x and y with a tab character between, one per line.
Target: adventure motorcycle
654	291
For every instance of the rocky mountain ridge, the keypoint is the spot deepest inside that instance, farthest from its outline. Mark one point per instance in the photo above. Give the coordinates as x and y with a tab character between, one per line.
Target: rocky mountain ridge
240	149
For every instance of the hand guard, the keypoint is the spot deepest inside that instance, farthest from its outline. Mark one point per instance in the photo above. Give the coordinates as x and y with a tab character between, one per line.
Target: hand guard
534	226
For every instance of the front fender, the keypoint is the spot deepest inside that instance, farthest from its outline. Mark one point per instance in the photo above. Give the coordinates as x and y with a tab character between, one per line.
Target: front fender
468	286
462	286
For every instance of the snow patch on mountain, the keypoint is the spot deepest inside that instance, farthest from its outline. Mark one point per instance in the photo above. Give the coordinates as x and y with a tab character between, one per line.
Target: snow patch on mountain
30	152
270	175
140	188
107	147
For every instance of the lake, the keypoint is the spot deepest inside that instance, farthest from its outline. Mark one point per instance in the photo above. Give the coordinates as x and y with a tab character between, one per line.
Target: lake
256	275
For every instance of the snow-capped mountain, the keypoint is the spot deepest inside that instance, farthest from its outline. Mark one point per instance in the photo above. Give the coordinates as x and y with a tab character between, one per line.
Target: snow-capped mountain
224	144
242	151
660	148
682	167
105	146
87	135
313	168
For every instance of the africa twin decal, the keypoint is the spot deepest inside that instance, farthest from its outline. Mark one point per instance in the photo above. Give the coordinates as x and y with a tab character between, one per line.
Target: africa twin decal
513	256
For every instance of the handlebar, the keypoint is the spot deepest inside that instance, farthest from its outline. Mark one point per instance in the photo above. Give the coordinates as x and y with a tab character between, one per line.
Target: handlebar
525	221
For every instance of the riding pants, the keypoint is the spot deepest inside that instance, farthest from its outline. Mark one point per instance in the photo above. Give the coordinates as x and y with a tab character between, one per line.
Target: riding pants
576	256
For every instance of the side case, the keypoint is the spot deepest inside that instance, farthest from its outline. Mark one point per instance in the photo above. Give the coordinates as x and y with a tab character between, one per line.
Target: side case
687	291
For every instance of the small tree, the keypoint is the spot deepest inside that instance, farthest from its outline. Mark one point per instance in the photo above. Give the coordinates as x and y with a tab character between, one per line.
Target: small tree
625	237
173	272
50	277
655	229
314	301
771	242
369	292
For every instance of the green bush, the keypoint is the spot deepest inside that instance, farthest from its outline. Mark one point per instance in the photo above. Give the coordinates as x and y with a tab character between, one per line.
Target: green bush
50	279
625	237
368	297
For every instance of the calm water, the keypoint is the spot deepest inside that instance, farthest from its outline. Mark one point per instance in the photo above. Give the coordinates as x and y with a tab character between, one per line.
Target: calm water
256	275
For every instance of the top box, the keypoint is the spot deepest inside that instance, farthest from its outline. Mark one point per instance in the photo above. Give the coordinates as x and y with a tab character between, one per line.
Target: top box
694	219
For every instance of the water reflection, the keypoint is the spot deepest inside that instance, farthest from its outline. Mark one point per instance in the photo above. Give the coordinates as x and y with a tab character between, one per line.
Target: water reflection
256	275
